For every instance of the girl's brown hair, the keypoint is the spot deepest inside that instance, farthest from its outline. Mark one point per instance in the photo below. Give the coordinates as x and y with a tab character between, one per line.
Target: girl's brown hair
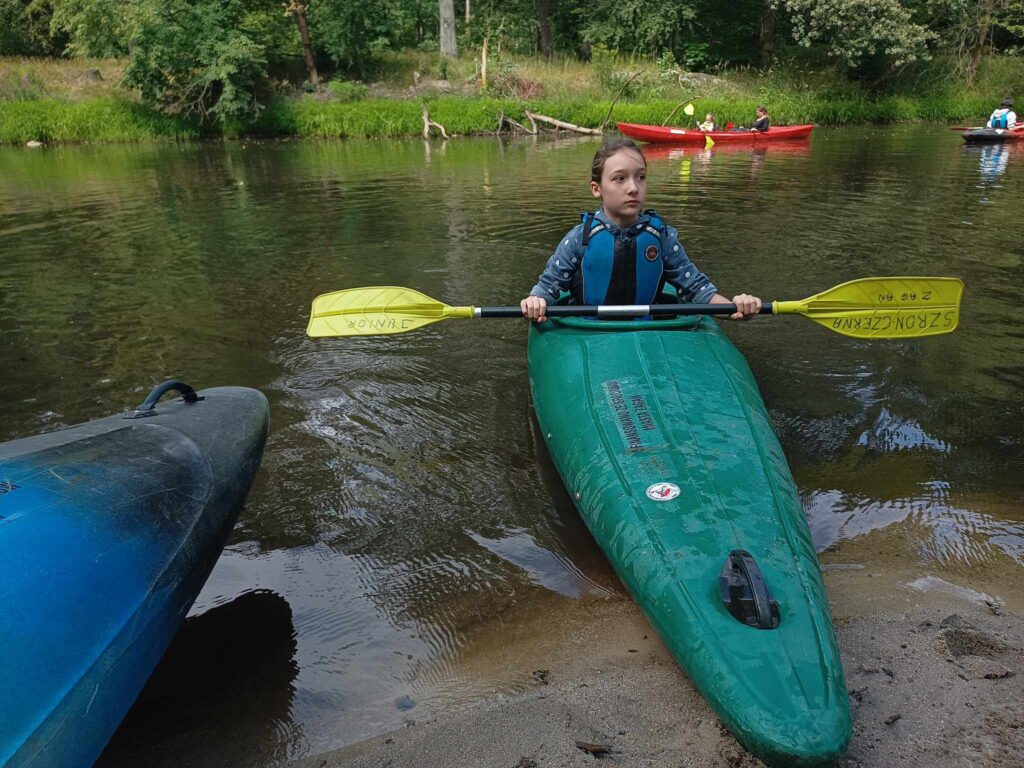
609	148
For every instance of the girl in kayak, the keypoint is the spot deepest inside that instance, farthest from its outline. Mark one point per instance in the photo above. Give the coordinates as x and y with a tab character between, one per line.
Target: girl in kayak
708	124
1004	117
621	253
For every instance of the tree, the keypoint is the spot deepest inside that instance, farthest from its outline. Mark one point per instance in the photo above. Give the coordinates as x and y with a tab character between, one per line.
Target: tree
193	57
25	29
766	39
350	30
868	35
100	28
446	41
297	8
15	39
987	11
972	25
1010	16
636	26
547	43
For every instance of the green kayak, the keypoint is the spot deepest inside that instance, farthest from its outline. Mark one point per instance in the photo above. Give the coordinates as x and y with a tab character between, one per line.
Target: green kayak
660	435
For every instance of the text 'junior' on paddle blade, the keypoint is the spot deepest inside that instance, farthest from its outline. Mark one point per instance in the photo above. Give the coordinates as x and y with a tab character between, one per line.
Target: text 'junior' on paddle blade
376	311
885	307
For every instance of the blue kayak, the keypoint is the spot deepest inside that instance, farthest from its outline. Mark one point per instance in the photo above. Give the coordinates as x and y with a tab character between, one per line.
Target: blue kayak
108	530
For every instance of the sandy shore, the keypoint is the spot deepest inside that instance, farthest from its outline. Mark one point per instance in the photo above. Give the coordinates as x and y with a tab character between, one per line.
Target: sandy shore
935	674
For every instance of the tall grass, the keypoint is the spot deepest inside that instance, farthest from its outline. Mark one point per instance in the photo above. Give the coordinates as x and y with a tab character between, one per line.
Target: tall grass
97	120
73	79
114	120
386	117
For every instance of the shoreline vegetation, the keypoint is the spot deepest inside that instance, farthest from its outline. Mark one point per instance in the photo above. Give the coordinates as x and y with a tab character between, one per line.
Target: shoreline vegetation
52	100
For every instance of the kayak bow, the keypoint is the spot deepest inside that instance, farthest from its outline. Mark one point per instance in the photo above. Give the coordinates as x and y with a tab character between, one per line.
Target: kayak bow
108	531
661	437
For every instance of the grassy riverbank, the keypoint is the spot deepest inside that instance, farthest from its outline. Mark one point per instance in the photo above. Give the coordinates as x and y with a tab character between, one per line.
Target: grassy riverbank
479	115
81	100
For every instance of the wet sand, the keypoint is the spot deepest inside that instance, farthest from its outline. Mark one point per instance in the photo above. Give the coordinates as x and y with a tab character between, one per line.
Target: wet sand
934	670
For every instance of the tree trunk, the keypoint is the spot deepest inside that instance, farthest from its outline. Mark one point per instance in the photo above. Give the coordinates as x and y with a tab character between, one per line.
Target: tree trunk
767	37
298	9
547	43
983	33
483	66
467	12
449	47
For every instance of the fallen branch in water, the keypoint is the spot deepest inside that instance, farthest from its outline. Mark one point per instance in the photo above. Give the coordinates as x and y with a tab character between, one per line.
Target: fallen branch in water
680	104
562	124
622	90
504	120
428	124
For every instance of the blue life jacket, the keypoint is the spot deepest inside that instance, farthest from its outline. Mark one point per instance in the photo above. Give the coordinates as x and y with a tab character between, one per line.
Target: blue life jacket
1001	121
623	269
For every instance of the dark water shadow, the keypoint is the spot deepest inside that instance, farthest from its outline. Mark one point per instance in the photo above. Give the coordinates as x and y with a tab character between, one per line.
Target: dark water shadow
221	695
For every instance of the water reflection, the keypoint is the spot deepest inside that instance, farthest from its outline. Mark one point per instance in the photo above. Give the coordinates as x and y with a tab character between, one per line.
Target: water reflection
695	151
941	529
549	569
892	433
693	161
993	159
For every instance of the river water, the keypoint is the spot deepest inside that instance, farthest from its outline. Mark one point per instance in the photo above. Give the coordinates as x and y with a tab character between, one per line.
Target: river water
405	506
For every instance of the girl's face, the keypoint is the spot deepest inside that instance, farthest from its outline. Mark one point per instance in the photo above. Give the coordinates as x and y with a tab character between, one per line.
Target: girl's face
623	187
709	118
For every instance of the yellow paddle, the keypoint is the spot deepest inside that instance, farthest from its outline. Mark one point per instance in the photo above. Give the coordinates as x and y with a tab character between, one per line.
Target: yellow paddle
869	308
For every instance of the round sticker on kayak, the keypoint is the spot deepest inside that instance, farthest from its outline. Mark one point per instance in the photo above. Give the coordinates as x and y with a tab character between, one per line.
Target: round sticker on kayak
663	491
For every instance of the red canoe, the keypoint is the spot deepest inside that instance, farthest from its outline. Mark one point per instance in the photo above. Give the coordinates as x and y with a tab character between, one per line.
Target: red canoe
660	133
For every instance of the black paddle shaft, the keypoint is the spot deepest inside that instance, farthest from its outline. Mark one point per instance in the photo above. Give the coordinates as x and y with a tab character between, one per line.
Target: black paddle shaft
624	311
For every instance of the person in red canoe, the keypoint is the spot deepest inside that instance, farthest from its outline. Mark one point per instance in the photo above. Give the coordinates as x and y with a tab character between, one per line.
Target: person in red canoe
621	253
761	124
708	124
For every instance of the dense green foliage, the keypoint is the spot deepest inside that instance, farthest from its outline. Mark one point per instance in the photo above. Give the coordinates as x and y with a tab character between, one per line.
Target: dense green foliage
198	58
35	107
223	61
95	27
862	29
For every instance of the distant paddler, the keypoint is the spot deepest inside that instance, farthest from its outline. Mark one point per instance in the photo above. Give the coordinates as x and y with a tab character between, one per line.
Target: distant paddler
1003	117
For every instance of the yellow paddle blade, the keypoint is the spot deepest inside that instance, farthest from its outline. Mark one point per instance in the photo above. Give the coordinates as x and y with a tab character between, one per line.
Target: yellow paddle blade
708	142
884	307
376	311
688	110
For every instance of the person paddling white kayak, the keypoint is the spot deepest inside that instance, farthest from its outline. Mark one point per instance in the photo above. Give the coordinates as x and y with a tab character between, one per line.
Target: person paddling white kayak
1003	117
